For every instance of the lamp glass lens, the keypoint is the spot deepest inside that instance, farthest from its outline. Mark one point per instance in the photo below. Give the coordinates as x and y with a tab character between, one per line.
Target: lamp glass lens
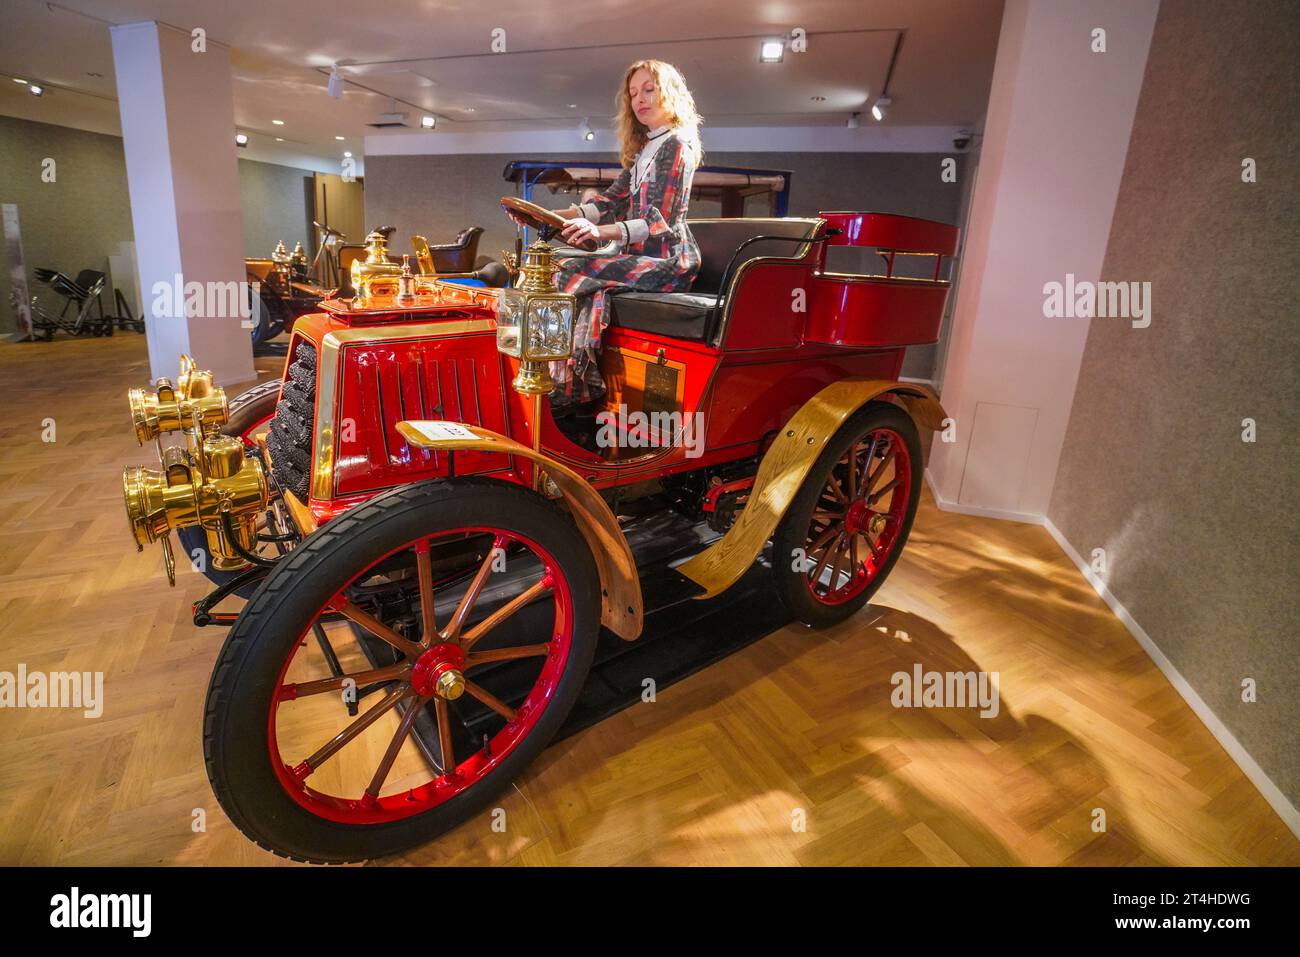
510	316
550	328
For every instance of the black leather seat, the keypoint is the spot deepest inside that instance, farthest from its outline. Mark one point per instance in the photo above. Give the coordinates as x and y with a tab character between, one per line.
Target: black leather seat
682	315
687	315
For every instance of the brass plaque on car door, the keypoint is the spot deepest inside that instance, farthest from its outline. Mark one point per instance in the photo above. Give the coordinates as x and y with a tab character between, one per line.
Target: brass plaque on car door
660	389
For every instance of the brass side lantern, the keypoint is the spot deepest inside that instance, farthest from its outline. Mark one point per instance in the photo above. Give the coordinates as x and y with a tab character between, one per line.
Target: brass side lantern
535	322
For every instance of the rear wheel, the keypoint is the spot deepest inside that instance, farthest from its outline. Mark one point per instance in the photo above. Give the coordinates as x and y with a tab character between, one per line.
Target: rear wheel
471	586
850	519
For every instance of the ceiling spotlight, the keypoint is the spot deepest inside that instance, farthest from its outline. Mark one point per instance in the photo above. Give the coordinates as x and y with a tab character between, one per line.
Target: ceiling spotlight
428	121
278	122
241	139
588	133
335	88
854	121
573	106
771	51
347	154
340	137
467	109
35	89
279	139
878	108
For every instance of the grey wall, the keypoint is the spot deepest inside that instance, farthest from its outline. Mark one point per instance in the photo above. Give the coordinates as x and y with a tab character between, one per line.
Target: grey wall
1200	529
276	202
437	196
77	221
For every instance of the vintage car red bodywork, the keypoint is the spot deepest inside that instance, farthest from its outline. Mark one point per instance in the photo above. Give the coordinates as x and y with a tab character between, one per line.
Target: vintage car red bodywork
423	498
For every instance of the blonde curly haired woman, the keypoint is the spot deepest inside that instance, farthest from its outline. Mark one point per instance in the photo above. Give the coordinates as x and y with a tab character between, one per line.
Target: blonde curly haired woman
643	211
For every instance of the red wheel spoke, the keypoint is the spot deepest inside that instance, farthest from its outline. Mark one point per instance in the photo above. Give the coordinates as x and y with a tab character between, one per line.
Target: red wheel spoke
506	654
444	735
817	572
887	487
425	569
356	727
452	631
378	629
841	550
875	552
394	746
866	478
875	476
491	700
504	612
359	678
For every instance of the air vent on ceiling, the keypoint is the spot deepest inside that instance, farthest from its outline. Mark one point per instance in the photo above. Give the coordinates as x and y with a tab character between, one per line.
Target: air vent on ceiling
389	121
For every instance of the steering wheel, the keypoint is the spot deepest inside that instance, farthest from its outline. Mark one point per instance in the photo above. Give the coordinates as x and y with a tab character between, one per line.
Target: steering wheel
535	217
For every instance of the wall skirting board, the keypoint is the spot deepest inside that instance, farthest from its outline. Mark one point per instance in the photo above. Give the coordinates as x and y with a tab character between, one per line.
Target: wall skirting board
1270	791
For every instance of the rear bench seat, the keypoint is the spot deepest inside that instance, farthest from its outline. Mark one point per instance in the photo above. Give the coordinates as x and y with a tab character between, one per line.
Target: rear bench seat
684	315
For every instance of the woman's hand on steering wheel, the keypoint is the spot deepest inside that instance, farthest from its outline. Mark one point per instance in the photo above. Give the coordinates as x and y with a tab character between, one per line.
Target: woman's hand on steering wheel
581	234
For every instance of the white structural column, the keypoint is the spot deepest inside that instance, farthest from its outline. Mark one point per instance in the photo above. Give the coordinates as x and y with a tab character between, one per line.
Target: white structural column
178	129
1051	161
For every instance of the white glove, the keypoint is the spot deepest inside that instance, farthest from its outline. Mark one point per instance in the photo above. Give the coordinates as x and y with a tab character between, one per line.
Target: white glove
581	232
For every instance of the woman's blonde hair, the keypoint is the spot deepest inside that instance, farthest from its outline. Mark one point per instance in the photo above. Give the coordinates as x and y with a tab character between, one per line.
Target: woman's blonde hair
676	100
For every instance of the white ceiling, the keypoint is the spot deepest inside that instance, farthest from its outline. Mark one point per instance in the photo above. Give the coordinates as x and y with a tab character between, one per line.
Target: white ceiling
435	55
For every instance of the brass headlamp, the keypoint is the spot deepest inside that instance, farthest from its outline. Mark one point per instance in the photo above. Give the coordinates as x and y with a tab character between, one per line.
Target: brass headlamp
170	408
535	321
208	482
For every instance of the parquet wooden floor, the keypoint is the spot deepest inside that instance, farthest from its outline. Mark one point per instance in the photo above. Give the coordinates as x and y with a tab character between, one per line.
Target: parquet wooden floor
717	771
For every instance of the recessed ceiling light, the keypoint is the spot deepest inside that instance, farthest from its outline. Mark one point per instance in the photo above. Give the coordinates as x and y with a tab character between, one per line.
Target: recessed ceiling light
347	152
428	121
35	89
278	122
19	79
279	139
241	139
771	51
467	109
340	137
573	106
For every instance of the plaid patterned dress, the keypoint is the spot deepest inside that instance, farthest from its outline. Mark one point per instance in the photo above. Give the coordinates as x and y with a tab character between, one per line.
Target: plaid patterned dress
649	201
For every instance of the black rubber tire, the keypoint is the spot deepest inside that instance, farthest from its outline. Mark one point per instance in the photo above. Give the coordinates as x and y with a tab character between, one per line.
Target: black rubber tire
246	410
269	316
245	676
791	533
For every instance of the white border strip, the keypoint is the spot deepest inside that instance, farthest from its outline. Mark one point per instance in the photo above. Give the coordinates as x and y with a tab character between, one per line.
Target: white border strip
1257	776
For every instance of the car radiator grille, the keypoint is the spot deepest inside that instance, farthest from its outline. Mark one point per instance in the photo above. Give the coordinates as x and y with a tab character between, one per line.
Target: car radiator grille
290	440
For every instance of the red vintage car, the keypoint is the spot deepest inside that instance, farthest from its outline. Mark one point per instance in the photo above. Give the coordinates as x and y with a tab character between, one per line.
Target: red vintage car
412	524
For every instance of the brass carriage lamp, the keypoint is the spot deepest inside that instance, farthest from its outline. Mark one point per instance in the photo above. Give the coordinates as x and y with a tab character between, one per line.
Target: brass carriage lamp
535	322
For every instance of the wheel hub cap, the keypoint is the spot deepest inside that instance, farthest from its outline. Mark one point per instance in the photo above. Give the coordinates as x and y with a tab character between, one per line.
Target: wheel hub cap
440	671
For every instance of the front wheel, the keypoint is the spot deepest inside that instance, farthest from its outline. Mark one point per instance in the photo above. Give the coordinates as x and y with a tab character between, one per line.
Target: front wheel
479	602
848	522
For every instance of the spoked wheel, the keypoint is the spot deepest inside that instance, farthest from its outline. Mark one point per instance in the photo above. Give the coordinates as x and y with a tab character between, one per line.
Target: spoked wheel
484	599
847	525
